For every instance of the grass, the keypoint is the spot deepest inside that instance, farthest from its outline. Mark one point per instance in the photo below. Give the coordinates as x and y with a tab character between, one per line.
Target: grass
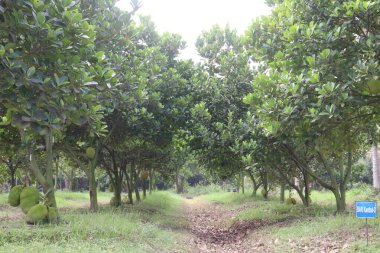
229	197
145	227
68	199
3	198
79	199
203	189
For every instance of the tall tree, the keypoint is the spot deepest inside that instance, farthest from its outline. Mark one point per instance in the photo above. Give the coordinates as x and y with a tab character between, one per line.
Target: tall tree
318	62
44	50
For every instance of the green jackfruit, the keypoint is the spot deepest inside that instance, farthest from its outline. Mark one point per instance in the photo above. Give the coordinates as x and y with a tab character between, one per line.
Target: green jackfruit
29	197
14	195
52	215
38	213
291	201
90	152
374	87
144	175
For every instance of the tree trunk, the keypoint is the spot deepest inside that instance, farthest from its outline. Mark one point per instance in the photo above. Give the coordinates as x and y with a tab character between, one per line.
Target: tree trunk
56	173
282	191
375	166
12	172
46	180
49	187
92	187
66	183
144	188
28	156
13	180
306	187
137	193
70	184
264	179
178	182
242	183
130	192
256	185
136	181
150	182
129	185
117	188
340	199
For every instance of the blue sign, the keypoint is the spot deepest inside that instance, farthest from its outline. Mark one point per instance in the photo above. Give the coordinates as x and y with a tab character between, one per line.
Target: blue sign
366	209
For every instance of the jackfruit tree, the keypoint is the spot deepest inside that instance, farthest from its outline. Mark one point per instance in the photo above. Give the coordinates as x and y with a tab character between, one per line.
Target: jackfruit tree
44	50
315	93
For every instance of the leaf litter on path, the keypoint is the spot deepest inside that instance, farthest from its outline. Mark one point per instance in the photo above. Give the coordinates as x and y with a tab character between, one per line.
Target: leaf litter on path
207	223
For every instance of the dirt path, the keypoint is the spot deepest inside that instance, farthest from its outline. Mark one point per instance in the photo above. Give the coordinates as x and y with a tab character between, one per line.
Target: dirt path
209	223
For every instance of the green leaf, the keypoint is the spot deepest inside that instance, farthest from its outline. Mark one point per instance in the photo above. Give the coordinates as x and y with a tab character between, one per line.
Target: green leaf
99	56
310	60
109	74
325	53
66	3
30	71
41	18
2	50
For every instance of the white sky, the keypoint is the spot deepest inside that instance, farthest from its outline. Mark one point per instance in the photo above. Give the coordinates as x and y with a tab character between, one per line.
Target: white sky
190	17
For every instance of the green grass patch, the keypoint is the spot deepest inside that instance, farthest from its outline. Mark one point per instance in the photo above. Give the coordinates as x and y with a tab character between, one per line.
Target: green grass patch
79	199
68	199
3	198
229	198
203	189
125	229
163	208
